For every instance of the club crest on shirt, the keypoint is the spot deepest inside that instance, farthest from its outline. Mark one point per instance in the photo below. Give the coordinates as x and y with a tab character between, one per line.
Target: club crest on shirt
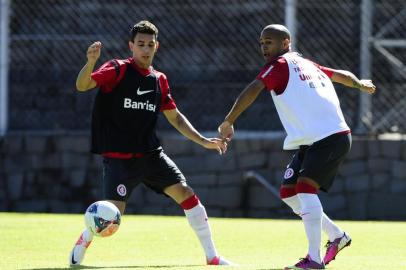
121	190
289	173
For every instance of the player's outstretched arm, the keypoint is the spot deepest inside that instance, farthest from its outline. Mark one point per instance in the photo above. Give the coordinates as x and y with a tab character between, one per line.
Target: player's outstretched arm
349	79
182	124
243	101
84	81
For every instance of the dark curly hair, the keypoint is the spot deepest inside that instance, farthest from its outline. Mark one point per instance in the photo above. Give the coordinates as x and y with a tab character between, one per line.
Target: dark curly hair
144	27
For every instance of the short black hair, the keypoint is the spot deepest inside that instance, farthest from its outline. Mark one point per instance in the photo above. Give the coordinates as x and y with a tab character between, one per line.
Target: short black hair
278	30
145	27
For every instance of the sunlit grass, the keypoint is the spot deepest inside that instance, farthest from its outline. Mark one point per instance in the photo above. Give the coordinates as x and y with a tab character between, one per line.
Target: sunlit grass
43	241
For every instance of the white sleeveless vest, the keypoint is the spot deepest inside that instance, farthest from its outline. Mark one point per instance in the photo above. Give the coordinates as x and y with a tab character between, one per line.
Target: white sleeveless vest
309	107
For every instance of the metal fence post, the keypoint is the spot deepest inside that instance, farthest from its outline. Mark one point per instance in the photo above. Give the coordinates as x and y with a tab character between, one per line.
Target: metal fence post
4	42
365	114
290	20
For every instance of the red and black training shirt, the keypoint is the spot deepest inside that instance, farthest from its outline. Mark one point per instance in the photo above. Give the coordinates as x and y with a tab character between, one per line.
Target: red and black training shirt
126	108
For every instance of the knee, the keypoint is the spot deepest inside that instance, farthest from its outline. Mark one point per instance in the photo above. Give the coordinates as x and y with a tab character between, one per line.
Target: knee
179	192
187	192
120	205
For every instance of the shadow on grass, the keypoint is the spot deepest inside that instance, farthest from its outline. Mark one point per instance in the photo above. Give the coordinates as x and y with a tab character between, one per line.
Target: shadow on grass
131	267
113	267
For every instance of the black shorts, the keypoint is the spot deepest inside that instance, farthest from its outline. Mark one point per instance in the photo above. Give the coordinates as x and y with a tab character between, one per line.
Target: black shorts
319	161
156	170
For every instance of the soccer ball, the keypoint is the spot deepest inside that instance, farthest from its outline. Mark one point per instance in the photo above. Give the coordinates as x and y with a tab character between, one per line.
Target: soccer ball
102	218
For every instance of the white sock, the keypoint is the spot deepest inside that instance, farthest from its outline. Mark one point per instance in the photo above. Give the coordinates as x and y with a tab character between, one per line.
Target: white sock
331	229
327	225
312	213
197	218
294	203
87	235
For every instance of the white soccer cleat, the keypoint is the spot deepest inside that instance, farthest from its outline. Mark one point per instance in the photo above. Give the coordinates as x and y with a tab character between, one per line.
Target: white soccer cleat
78	252
217	260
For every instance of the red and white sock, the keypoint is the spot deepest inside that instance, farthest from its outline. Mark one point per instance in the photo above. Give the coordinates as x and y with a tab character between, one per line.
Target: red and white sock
289	196
197	217
87	235
311	213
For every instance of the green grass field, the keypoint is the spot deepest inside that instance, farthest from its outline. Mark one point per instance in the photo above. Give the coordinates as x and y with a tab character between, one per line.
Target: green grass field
43	241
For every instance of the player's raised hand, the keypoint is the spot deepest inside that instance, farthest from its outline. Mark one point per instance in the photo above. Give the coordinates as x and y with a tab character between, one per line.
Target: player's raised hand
216	144
367	86
226	130
93	52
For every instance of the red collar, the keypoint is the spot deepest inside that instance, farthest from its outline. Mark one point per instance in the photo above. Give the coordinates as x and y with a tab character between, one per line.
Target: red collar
143	71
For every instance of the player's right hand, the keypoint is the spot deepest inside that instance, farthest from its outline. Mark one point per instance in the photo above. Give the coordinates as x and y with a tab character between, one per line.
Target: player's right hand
93	52
367	86
226	130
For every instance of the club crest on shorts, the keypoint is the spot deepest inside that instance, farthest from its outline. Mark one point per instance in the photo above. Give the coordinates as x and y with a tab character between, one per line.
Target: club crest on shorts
121	190
288	173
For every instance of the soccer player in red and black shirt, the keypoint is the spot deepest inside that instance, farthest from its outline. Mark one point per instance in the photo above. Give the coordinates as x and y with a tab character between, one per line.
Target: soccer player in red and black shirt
310	112
130	97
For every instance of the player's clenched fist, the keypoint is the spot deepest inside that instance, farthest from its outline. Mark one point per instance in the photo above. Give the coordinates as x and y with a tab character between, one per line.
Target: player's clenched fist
226	130
367	86
93	52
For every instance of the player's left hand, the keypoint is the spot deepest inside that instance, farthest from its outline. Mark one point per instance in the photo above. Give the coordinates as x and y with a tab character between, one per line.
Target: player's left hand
216	144
367	86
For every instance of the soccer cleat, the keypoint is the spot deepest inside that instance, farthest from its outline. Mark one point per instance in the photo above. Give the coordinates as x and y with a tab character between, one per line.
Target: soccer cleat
78	252
307	264
336	246
217	260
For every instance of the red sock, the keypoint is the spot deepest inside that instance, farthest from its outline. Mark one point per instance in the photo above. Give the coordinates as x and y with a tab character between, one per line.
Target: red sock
190	202
286	192
302	187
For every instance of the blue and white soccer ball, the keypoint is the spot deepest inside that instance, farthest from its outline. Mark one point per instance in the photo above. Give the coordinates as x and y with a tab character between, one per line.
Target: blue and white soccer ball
102	218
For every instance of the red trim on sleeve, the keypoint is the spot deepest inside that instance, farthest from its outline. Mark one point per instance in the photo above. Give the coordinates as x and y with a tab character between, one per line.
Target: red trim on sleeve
106	75
328	71
344	132
167	101
275	75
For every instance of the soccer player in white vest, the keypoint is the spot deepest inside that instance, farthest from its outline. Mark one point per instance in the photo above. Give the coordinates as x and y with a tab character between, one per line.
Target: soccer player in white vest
131	95
310	112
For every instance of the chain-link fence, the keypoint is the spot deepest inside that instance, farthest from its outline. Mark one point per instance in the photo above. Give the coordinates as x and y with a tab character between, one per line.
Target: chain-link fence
209	50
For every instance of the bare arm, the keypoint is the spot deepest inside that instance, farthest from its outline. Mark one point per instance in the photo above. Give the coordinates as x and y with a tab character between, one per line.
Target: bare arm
349	79
182	124
84	81
243	101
